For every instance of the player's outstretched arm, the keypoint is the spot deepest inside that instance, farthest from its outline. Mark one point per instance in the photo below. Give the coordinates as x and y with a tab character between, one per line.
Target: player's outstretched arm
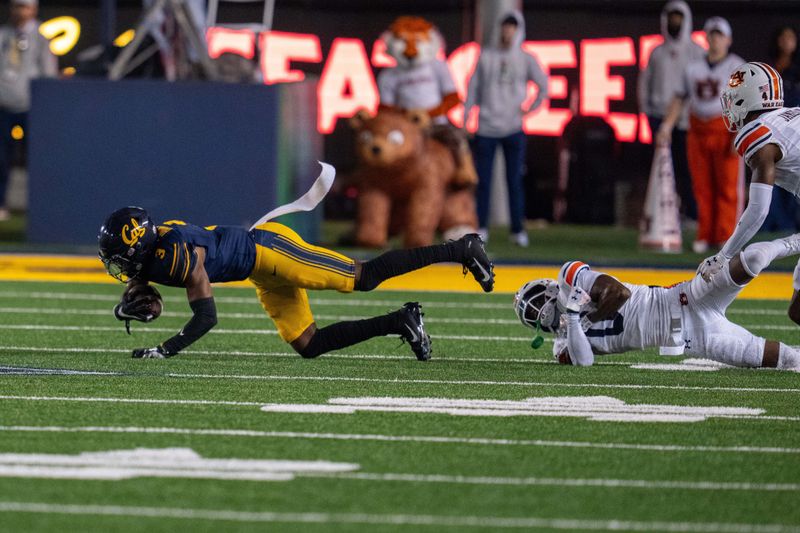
579	350
204	317
608	295
763	164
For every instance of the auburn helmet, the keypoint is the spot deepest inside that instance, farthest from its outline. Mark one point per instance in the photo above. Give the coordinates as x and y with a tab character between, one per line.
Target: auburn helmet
535	302
126	242
752	87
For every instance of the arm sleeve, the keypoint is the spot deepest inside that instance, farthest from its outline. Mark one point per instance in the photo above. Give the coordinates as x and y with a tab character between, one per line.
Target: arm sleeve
48	62
203	319
751	220
580	351
473	90
645	81
537	76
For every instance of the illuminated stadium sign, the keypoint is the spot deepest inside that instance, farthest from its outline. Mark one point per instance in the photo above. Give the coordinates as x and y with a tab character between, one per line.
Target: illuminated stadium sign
347	82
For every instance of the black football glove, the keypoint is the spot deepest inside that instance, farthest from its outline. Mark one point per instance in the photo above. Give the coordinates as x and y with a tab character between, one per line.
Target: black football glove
138	310
151	353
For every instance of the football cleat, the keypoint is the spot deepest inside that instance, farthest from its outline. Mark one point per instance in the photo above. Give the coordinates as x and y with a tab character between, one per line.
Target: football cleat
477	262
413	330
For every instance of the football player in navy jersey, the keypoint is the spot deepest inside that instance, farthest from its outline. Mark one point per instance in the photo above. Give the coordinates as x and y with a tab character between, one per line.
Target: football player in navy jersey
280	265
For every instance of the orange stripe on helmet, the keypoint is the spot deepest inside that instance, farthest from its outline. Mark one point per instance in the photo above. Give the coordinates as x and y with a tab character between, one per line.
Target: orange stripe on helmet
776	83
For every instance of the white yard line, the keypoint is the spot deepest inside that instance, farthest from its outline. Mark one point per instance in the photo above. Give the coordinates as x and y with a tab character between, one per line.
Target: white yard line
561	482
242	316
429	439
389	519
94	399
627	386
293	355
224	331
355	301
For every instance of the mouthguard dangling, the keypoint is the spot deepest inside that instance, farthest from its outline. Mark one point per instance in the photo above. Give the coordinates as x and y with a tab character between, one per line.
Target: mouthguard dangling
538	340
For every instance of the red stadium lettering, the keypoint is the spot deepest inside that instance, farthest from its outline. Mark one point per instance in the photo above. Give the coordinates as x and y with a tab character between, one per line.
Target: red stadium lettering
347	84
550	54
279	49
230	41
462	62
598	86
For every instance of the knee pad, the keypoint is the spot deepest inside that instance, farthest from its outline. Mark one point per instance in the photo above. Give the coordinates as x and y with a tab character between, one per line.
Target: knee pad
735	350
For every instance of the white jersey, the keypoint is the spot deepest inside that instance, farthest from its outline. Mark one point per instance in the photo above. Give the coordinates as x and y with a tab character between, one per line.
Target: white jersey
781	128
703	83
689	315
644	321
419	87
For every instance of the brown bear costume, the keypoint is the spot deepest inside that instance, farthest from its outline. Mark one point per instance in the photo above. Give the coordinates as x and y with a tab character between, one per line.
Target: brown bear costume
407	182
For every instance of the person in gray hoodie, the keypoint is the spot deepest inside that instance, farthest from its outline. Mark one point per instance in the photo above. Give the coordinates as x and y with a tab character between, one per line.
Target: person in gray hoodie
24	55
499	86
658	84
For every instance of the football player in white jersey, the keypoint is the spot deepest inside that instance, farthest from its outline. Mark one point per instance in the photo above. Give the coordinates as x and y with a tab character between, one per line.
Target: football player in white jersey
768	138
591	313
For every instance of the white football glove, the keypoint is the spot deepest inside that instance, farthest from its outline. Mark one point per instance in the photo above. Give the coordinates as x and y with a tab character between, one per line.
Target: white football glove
573	300
712	266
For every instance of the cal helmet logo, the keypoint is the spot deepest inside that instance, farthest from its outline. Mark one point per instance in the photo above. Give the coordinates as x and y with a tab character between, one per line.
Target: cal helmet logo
131	234
737	78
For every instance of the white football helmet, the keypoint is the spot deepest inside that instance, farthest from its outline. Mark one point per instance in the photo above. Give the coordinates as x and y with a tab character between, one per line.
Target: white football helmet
752	87
536	302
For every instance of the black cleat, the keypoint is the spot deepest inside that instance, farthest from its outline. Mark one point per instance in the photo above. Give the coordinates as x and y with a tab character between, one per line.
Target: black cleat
413	330
477	262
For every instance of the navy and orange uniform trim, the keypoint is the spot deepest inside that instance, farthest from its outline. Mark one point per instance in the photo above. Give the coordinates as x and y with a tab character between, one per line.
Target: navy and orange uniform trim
751	139
570	272
230	253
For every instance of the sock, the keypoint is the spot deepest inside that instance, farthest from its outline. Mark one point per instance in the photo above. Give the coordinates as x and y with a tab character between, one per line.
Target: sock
788	358
396	262
343	334
758	256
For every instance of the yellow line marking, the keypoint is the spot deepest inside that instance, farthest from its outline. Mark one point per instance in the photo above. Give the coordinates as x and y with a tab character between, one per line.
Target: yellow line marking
89	269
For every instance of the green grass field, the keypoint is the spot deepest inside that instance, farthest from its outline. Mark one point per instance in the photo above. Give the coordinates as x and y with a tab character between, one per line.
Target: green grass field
494	466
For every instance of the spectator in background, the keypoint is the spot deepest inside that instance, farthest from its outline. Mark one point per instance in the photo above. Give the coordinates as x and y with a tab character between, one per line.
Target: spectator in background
499	86
658	84
24	55
783	56
713	163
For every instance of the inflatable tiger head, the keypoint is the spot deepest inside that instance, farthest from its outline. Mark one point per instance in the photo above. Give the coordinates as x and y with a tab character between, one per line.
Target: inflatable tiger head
412	41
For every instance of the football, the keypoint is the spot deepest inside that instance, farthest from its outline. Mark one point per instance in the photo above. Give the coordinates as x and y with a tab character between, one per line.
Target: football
146	293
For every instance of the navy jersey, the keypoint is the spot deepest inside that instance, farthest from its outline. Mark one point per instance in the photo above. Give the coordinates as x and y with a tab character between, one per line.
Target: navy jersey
230	253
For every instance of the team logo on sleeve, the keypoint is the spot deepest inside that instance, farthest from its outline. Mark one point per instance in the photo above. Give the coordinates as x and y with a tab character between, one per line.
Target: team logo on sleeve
132	233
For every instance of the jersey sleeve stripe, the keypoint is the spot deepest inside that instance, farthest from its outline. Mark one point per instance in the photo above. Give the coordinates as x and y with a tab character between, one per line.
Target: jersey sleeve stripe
759	132
572	271
188	262
174	258
744	132
756	145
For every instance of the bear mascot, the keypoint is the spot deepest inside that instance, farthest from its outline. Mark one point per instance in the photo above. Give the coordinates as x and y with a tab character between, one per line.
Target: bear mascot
407	182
